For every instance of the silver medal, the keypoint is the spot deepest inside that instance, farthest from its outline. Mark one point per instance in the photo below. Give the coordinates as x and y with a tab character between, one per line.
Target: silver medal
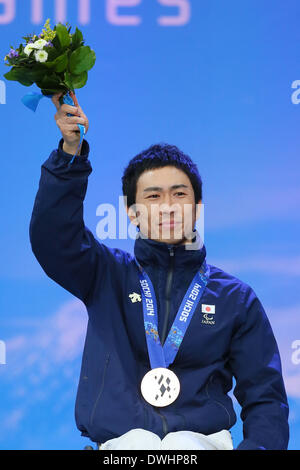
160	387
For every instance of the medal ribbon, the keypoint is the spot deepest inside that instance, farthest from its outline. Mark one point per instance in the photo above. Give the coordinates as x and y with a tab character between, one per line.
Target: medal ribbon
164	356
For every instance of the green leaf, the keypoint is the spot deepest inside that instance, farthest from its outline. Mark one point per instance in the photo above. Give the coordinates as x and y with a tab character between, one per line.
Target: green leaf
59	64
53	52
82	60
77	38
21	75
38	74
51	82
75	81
68	81
53	91
56	43
63	35
79	80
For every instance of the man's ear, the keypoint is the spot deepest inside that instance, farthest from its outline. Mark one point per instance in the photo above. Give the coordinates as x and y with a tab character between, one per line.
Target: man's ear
132	215
198	209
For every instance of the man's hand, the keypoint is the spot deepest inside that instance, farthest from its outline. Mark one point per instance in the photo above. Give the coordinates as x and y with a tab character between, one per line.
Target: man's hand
68	124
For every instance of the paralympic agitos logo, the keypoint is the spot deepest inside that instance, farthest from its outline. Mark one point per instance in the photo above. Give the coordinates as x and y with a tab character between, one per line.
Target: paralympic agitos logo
208	312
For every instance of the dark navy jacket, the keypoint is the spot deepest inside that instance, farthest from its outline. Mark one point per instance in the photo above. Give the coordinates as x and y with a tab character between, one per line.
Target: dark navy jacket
238	343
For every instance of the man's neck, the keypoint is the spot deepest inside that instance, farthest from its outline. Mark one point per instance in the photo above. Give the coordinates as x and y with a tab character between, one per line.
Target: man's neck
184	241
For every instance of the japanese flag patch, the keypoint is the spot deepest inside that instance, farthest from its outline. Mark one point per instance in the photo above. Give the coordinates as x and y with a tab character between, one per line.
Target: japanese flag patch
208	308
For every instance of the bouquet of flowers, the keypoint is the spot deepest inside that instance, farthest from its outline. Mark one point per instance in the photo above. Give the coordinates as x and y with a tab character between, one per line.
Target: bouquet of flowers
56	60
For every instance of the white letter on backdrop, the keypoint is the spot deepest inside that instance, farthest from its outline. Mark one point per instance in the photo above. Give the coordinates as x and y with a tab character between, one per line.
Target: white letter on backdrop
9	11
124	20
181	19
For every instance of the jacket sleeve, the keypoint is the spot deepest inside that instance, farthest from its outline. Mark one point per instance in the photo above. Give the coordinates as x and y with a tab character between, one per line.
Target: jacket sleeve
67	251
256	366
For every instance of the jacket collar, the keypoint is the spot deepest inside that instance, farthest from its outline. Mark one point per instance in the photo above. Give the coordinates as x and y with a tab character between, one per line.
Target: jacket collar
151	252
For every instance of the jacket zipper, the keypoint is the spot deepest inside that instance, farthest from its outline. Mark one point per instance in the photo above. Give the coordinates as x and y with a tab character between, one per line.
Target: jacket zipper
167	295
164	332
164	422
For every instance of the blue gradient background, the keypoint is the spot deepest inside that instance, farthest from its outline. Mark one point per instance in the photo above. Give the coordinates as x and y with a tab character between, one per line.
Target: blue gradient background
218	87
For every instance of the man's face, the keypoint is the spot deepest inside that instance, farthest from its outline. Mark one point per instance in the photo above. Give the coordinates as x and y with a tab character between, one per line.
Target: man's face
165	208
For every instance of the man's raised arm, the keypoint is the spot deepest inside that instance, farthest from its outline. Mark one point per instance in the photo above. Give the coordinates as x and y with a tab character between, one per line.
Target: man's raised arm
64	247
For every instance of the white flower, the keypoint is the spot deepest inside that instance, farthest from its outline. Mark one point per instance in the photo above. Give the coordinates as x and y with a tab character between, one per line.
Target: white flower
28	49
41	56
39	44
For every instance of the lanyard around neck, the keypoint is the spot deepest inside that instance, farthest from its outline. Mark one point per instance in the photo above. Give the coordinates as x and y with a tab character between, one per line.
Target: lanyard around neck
164	356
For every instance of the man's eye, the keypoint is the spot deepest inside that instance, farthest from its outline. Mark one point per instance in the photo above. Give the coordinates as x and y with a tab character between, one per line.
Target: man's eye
180	193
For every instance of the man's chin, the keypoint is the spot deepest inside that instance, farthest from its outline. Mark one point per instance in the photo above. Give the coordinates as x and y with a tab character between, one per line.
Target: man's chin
175	238
172	241
169	240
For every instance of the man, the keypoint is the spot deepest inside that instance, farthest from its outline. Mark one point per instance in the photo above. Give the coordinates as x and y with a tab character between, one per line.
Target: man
167	332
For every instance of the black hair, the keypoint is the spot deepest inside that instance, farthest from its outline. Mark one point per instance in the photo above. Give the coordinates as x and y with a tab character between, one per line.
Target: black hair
158	156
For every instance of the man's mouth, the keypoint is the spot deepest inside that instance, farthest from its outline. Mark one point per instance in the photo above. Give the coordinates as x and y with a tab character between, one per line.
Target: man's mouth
171	223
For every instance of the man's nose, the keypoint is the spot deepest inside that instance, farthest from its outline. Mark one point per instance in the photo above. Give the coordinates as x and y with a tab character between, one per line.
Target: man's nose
168	207
166	201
